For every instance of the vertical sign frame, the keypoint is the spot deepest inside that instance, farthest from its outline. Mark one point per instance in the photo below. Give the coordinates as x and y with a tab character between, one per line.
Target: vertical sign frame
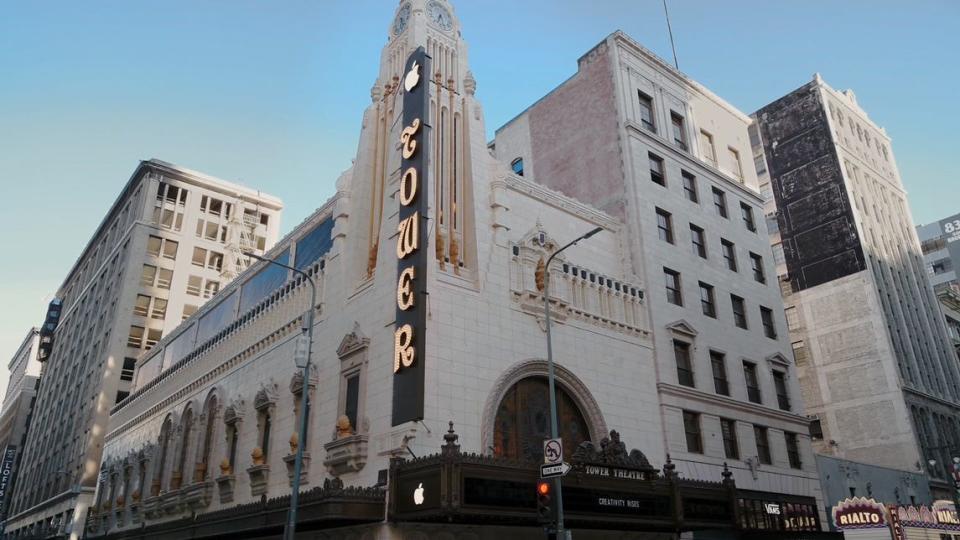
409	351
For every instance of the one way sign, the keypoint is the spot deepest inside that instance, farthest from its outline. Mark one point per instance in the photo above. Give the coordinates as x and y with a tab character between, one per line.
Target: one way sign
553	471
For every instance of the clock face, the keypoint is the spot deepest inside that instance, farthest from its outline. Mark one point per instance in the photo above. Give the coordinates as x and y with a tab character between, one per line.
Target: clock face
439	15
400	23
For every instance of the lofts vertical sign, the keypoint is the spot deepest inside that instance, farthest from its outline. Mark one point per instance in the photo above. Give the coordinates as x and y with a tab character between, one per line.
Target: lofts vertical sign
412	237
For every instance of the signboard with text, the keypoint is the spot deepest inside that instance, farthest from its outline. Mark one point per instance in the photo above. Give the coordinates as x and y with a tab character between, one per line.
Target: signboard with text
6	477
412	240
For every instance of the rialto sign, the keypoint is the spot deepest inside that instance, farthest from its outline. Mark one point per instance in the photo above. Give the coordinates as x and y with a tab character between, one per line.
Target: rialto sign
859	513
412	238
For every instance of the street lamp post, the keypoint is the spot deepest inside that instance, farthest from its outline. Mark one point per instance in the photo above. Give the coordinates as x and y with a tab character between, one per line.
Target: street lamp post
291	528
554	431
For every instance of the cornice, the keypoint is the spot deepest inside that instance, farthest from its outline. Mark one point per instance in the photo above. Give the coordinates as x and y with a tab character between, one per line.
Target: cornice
560	201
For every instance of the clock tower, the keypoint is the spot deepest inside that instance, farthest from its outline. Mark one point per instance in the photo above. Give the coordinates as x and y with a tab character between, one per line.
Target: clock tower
456	134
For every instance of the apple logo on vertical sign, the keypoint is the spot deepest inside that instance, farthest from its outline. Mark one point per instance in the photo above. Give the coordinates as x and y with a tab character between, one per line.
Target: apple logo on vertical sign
412	78
418	495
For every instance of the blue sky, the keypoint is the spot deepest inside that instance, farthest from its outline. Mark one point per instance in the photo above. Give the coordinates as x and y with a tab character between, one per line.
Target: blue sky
270	94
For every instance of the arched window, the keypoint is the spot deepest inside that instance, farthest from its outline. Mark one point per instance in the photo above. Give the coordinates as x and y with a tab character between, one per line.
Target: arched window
163	444
523	420
176	479
517	166
203	460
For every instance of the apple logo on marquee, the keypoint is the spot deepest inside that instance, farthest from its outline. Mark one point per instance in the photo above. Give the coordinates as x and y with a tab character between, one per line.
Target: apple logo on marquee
418	495
412	78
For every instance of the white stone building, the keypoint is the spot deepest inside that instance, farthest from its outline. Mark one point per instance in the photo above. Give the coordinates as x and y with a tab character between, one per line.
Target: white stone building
18	401
167	244
876	368
205	444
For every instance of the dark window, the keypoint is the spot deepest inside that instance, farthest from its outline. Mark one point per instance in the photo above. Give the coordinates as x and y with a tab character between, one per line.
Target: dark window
664	225
731	449
707	303
656	170
729	254
769	329
121	395
780	383
756	264
698	241
681	351
517	166
265	435
793	450
672	283
753	384
747	214
763	445
816	429
314	245
691	427
719	366
679	133
352	399
739	311
690	186
646	112
523	420
720	202
129	364
234	436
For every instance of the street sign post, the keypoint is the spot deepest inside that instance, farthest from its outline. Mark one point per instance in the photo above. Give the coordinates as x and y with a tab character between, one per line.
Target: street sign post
554	470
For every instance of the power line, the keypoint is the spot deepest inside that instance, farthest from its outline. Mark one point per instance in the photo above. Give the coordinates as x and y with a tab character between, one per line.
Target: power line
670	30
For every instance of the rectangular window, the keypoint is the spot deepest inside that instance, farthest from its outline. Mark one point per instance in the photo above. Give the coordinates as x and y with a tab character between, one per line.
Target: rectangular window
672	283
709	153
691	427
720	202
664	226
153	337
657	173
148	275
129	364
728	428
769	328
142	306
211	230
194	284
780	384
735	166
698	241
799	353
159	310
739	311
164	277
121	395
135	338
729	253
778	255
188	310
793	450
215	262
707	303
690	186
199	257
170	248
352	401
211	288
679	132
719	366
816	428
756	264
681	351
746	212
753	384
763	445
153	245
646	112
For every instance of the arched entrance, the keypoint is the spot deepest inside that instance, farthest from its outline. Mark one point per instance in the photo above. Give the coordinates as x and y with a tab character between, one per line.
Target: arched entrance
523	420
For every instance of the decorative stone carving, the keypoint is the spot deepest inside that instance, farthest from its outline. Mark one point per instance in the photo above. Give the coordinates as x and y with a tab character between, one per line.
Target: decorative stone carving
346	455
290	461
171	502
256	455
225	468
470	84
611	451
198	495
344	429
259	478
450	446
352	342
225	485
296	381
266	397
294	442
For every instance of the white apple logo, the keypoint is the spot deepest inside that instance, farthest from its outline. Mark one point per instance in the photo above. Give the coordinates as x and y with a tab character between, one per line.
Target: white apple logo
413	77
418	495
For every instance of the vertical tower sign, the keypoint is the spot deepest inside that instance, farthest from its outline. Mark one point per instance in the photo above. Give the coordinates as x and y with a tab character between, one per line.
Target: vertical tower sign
408	347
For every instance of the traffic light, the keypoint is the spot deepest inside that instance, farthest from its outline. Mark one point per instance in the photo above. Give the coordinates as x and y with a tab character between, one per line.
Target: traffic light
539	274
544	507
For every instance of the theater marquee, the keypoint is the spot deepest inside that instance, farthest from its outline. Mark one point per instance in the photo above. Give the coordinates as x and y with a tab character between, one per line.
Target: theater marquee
410	330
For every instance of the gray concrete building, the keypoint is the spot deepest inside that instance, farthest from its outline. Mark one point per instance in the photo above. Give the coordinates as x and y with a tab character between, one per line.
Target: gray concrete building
879	379
168	243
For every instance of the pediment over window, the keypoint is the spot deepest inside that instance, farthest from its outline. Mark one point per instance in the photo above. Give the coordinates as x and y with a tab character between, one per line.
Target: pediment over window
682	328
352	342
779	360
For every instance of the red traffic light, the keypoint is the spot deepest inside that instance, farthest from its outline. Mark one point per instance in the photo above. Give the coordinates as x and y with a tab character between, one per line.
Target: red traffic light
543	488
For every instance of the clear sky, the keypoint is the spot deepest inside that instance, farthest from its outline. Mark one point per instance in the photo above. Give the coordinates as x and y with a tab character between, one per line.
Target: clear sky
270	94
